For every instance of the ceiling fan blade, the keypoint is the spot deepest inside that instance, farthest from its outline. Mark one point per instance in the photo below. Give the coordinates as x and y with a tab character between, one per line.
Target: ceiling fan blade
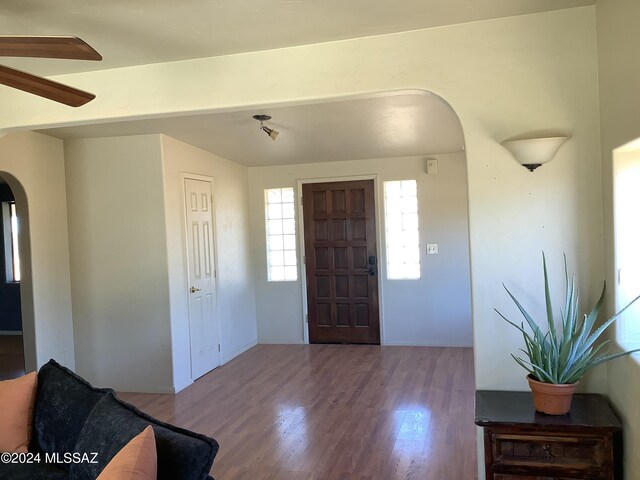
43	87
71	48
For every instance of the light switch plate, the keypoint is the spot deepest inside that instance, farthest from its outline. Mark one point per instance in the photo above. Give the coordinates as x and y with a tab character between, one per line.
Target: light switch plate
432	248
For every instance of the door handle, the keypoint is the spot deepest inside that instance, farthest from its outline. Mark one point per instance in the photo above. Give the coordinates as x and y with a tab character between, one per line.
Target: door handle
372	265
195	289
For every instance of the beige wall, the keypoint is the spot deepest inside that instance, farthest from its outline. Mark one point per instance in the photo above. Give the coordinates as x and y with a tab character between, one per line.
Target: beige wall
235	292
128	268
619	77
119	262
33	165
434	310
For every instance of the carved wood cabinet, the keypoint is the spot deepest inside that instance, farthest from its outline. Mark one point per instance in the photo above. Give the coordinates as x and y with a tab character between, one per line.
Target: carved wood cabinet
522	444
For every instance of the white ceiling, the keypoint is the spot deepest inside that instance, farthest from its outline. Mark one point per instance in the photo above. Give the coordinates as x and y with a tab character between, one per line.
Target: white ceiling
136	32
394	125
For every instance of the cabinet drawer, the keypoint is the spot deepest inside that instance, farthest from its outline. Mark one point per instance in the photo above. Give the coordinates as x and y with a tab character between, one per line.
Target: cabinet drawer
572	453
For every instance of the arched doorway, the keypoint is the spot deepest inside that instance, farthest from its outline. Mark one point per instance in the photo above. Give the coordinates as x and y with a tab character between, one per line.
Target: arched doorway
17	340
11	345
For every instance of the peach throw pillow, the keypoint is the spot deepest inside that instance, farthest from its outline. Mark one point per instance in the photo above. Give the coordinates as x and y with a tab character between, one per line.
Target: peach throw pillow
17	399
137	460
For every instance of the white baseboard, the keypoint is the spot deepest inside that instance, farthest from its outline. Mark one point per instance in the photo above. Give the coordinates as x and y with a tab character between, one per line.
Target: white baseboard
228	357
10	332
279	341
182	386
425	344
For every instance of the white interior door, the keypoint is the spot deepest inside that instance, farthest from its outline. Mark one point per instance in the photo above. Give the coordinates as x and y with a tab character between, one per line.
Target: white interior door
203	318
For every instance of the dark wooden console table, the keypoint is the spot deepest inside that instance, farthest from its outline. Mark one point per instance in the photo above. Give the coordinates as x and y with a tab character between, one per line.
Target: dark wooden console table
522	444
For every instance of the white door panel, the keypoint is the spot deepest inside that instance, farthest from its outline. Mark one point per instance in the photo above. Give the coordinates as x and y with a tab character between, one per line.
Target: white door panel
203	319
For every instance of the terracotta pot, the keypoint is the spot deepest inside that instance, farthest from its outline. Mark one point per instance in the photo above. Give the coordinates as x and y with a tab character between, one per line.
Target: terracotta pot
551	398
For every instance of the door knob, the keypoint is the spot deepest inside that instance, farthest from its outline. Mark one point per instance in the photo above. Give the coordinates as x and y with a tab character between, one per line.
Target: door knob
195	289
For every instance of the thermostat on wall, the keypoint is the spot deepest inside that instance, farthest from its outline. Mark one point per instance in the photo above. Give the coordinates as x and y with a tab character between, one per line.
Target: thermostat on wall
432	166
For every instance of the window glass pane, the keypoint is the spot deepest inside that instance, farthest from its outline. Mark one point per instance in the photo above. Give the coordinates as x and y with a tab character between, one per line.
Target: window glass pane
276	257
410	222
287	195
281	234
410	238
402	229
274	227
287	210
290	273
289	242
274	211
393	190
289	257
409	204
409	188
289	226
276	274
274	195
275	242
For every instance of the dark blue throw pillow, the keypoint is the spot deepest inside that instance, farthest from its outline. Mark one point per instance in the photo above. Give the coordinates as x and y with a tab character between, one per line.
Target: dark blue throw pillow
63	403
182	455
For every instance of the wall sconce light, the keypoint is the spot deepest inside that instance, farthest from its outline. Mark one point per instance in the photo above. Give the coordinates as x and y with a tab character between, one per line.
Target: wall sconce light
531	152
269	131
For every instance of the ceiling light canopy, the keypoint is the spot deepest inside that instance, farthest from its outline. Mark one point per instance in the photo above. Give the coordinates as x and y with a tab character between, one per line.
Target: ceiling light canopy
269	131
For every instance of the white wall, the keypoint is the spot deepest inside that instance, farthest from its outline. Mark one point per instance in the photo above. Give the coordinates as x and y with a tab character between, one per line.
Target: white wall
619	77
119	262
33	165
435	310
236	304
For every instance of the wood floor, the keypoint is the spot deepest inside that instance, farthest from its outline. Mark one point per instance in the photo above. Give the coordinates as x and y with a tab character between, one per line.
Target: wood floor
11	357
333	412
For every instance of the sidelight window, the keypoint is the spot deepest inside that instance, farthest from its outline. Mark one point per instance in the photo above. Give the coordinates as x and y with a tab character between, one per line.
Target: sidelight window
402	235
282	262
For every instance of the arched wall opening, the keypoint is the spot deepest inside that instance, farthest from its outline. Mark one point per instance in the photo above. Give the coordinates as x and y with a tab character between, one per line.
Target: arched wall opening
431	310
33	166
24	282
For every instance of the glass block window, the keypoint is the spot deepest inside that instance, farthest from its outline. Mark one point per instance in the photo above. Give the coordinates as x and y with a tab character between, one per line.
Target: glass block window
281	234
401	223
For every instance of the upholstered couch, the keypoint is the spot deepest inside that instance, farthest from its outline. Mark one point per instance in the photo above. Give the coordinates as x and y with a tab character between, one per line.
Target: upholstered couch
71	417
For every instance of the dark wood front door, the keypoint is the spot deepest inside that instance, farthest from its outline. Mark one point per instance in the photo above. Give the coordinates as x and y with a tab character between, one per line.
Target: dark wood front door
341	262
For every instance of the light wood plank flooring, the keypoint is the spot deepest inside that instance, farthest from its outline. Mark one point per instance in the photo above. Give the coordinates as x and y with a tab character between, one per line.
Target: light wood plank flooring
11	357
333	412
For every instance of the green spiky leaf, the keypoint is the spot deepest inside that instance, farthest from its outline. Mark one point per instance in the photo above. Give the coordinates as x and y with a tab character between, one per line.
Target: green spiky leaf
568	348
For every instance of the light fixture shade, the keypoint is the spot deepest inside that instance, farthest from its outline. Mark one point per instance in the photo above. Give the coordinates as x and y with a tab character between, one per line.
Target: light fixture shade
270	131
533	152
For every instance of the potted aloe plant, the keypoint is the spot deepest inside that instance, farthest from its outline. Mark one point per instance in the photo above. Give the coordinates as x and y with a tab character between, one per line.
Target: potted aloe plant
558	358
